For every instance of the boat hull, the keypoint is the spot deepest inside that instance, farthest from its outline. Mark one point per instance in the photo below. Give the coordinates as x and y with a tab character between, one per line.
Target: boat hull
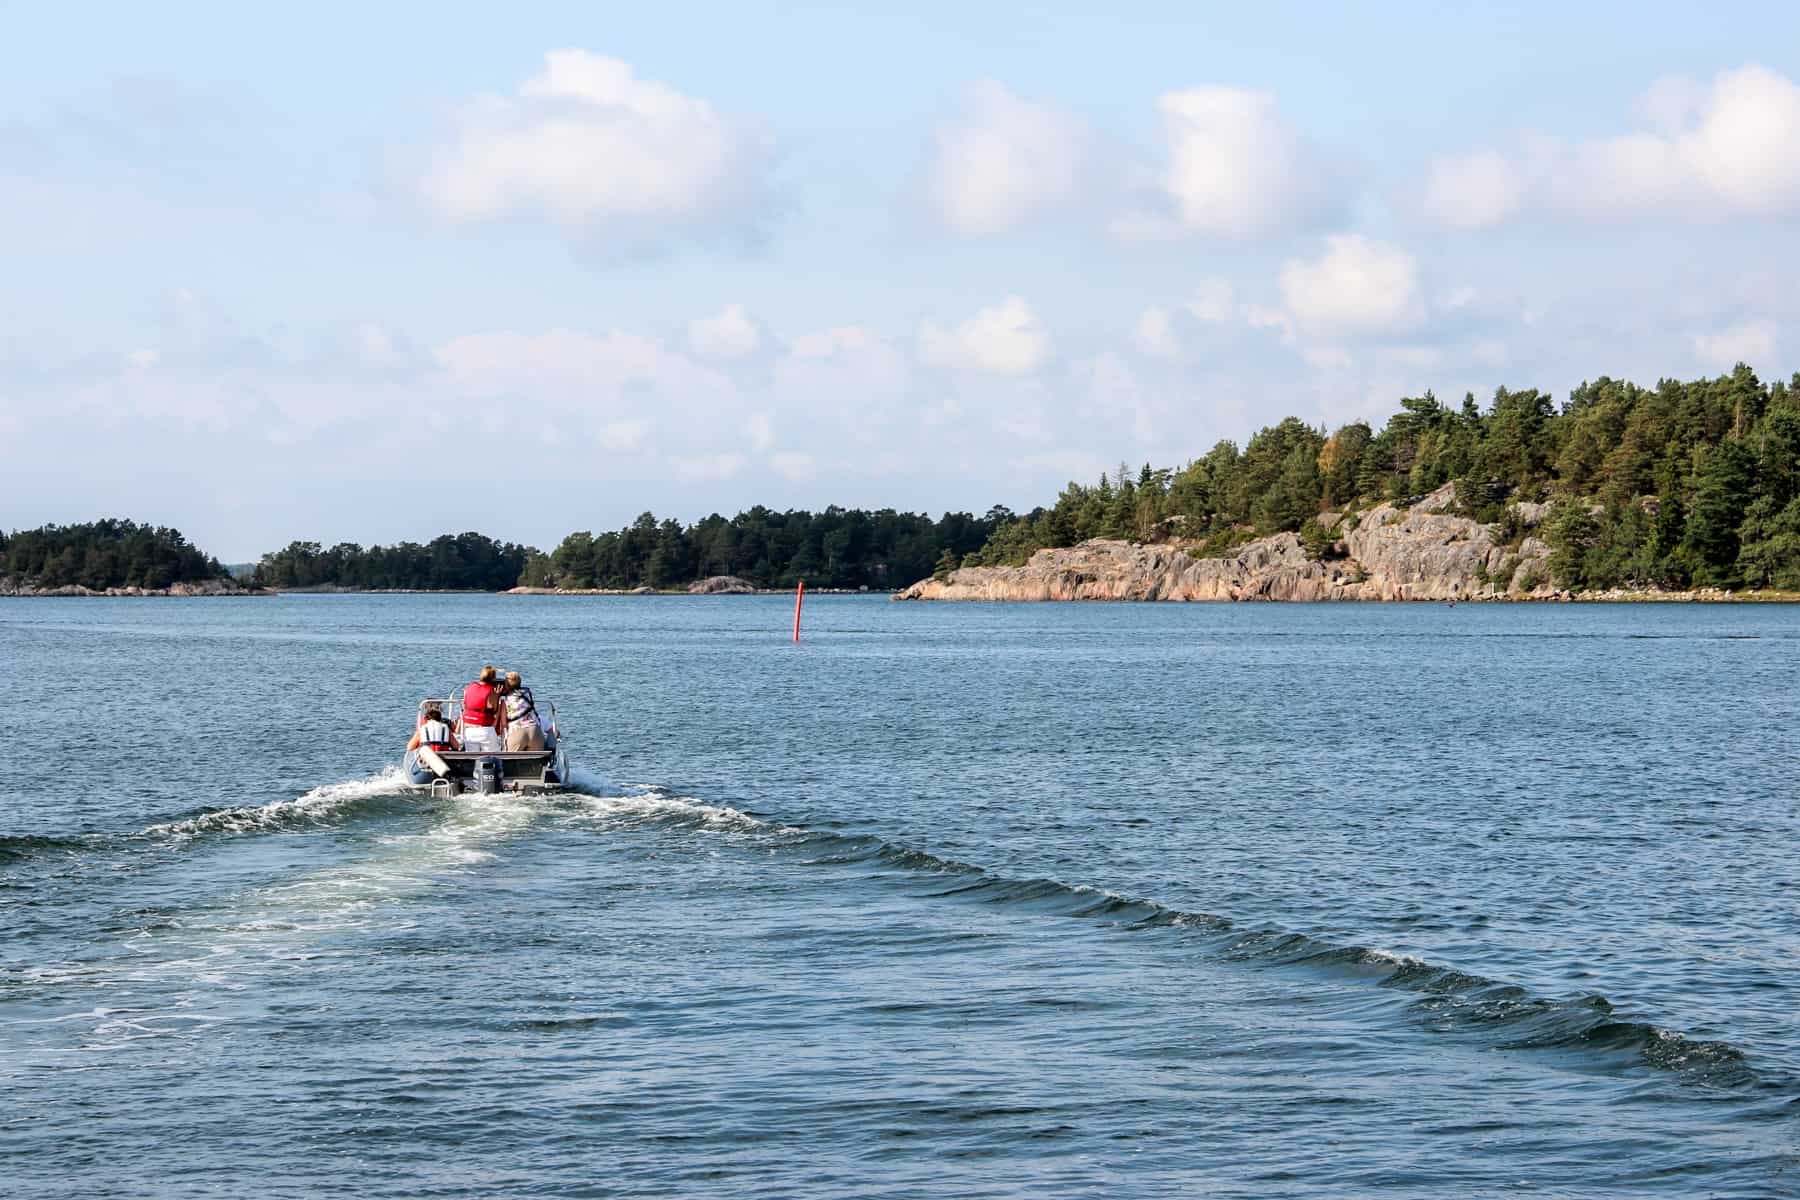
491	773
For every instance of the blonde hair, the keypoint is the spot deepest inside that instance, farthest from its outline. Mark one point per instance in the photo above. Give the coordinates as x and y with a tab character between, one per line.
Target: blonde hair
513	681
488	674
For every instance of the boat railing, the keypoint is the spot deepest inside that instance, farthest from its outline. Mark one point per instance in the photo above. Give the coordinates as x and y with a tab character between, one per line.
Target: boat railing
451	708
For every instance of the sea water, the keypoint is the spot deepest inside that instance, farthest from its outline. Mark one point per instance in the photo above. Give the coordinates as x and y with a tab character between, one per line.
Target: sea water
1008	900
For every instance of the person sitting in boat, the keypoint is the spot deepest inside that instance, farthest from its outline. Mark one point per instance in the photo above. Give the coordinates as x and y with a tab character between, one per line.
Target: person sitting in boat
434	733
481	713
524	728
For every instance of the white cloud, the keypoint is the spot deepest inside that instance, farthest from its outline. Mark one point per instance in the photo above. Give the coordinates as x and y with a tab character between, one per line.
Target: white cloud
376	345
1413	358
832	364
1489	353
1472	191
833	343
759	431
1731	147
565	362
704	468
1211	301
1115	398
1746	146
590	145
1327	358
729	333
622	435
1749	342
1458	298
1357	286
1005	339
794	467
1005	160
1155	334
1671	102
1236	168
604	385
1260	316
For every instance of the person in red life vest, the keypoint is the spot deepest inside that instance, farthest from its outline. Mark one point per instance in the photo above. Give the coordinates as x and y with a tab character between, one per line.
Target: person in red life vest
481	714
434	733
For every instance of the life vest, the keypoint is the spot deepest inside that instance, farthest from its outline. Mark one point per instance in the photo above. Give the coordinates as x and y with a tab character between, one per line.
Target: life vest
434	735
478	704
520	707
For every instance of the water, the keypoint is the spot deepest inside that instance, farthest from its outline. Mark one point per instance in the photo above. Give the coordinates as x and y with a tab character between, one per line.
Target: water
1278	900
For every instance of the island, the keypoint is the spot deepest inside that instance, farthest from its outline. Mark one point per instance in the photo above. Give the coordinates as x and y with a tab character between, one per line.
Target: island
112	557
1681	491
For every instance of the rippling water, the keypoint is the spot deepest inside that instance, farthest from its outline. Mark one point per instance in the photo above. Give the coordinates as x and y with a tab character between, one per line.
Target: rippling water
1279	900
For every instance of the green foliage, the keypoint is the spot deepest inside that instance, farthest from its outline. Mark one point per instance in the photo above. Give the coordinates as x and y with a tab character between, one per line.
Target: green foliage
103	554
1693	482
1770	541
538	570
463	562
1573	534
1318	542
1723	493
835	548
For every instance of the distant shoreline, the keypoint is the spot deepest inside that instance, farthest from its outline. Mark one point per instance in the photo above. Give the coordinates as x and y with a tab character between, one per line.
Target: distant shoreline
204	589
185	591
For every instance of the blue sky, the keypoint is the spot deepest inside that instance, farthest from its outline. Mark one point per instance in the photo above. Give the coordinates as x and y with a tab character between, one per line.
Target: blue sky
312	274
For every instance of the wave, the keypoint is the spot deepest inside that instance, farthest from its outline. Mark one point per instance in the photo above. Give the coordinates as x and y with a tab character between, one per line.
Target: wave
30	846
1447	1000
328	804
1454	1001
331	804
593	797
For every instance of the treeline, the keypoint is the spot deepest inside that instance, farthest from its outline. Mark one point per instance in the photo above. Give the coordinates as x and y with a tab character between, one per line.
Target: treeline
836	548
460	562
103	554
1677	485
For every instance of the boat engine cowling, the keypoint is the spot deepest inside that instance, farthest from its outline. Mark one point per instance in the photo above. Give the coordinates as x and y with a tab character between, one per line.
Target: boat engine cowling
487	776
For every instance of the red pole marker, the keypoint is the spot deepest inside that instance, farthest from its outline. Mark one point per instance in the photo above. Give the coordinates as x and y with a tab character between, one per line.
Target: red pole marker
799	595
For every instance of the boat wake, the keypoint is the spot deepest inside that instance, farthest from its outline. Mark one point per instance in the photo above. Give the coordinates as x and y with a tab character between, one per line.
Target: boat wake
1446	1000
1504	1016
25	846
595	798
336	804
331	804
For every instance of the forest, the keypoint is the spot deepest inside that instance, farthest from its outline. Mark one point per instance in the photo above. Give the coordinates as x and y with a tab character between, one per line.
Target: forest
845	548
834	548
111	553
453	562
1678	485
1681	484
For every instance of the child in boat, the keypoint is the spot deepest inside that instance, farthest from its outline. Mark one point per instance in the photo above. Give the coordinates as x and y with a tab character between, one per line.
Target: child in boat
433	732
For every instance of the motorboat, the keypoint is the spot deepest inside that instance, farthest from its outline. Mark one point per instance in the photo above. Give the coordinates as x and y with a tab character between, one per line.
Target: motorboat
484	772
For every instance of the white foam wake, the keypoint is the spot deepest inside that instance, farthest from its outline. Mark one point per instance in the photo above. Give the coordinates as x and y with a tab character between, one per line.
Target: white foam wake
320	804
596	798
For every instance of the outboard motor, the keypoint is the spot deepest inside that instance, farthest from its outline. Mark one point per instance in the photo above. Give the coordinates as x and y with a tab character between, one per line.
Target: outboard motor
487	776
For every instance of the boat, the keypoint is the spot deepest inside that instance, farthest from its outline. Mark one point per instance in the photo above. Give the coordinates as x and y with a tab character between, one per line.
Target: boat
487	773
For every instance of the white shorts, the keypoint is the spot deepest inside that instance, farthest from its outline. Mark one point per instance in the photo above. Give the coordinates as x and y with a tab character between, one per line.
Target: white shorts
481	739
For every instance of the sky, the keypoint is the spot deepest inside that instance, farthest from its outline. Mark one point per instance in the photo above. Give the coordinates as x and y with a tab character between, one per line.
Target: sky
379	272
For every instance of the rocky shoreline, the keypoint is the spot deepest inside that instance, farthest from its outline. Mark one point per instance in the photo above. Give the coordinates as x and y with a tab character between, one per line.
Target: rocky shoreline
206	587
715	585
1388	552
